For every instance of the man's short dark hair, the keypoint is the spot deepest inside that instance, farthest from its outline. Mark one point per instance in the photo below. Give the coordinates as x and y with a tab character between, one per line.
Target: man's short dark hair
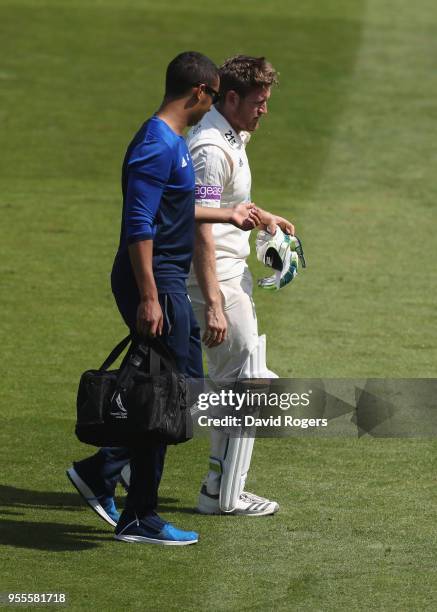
188	69
243	73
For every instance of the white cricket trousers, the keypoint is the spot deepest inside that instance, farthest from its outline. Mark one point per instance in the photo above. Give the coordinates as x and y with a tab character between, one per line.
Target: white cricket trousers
229	359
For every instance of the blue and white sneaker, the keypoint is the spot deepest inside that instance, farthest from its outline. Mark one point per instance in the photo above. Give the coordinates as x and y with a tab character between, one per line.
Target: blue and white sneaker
103	505
152	530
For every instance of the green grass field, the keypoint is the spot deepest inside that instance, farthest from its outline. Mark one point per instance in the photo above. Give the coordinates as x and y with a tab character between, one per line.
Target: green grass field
348	153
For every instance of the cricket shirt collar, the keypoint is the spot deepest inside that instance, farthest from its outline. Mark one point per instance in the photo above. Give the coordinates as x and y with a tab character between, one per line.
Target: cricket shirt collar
235	140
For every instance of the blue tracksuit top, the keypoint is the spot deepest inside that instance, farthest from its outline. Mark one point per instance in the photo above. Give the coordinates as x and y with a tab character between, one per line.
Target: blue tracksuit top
158	204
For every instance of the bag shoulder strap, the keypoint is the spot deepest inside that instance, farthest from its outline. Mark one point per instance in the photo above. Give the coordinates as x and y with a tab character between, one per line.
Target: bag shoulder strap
115	353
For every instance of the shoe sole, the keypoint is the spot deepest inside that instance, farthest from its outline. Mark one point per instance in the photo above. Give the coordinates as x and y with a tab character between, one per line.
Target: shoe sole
207	506
88	496
235	512
265	512
144	540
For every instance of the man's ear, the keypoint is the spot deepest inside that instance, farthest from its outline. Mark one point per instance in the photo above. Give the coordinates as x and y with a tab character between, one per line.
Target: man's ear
193	100
232	98
197	92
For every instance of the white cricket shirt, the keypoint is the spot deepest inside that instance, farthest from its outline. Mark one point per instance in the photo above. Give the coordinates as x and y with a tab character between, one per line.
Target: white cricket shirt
223	179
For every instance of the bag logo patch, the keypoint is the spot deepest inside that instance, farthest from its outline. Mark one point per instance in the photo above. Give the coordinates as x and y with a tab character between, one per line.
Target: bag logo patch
122	413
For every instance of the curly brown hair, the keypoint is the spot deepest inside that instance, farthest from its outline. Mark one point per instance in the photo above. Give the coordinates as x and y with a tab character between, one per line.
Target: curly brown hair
242	73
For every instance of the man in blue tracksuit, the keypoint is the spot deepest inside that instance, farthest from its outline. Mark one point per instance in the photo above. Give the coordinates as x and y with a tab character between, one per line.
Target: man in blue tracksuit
148	282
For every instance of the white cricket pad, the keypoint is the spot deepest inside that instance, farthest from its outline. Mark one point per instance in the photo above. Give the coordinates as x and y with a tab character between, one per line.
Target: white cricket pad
235	463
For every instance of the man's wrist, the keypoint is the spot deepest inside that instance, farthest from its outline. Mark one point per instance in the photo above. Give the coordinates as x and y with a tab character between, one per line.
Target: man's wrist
230	215
213	302
149	297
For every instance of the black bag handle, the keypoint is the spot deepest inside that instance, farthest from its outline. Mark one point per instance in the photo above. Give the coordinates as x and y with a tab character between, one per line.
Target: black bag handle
138	352
159	347
115	353
164	353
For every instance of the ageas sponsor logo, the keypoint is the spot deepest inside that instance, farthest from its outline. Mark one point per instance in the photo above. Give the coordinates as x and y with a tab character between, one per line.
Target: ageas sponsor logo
208	192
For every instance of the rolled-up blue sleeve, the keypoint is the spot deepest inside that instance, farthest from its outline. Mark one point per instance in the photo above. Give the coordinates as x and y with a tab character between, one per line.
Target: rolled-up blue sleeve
149	170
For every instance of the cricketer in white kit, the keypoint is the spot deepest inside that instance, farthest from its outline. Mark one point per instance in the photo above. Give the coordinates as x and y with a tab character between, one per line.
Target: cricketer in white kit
220	286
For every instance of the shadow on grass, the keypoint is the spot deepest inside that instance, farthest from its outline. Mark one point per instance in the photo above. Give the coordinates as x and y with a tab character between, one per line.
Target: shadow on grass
50	536
13	497
40	535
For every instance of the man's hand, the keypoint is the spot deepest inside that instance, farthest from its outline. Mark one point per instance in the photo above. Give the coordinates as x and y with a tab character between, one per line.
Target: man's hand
269	221
216	325
245	216
286	226
150	320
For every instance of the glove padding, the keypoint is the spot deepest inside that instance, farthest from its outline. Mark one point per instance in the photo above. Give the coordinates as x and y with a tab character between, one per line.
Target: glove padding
282	253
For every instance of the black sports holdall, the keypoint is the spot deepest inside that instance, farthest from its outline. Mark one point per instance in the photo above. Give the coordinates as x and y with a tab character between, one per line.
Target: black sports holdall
129	406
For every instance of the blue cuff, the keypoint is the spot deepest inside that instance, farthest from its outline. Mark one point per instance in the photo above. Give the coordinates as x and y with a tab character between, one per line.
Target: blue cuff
138	237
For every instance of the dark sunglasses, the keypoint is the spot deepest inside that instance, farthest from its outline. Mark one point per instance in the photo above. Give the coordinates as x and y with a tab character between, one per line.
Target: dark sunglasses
215	95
